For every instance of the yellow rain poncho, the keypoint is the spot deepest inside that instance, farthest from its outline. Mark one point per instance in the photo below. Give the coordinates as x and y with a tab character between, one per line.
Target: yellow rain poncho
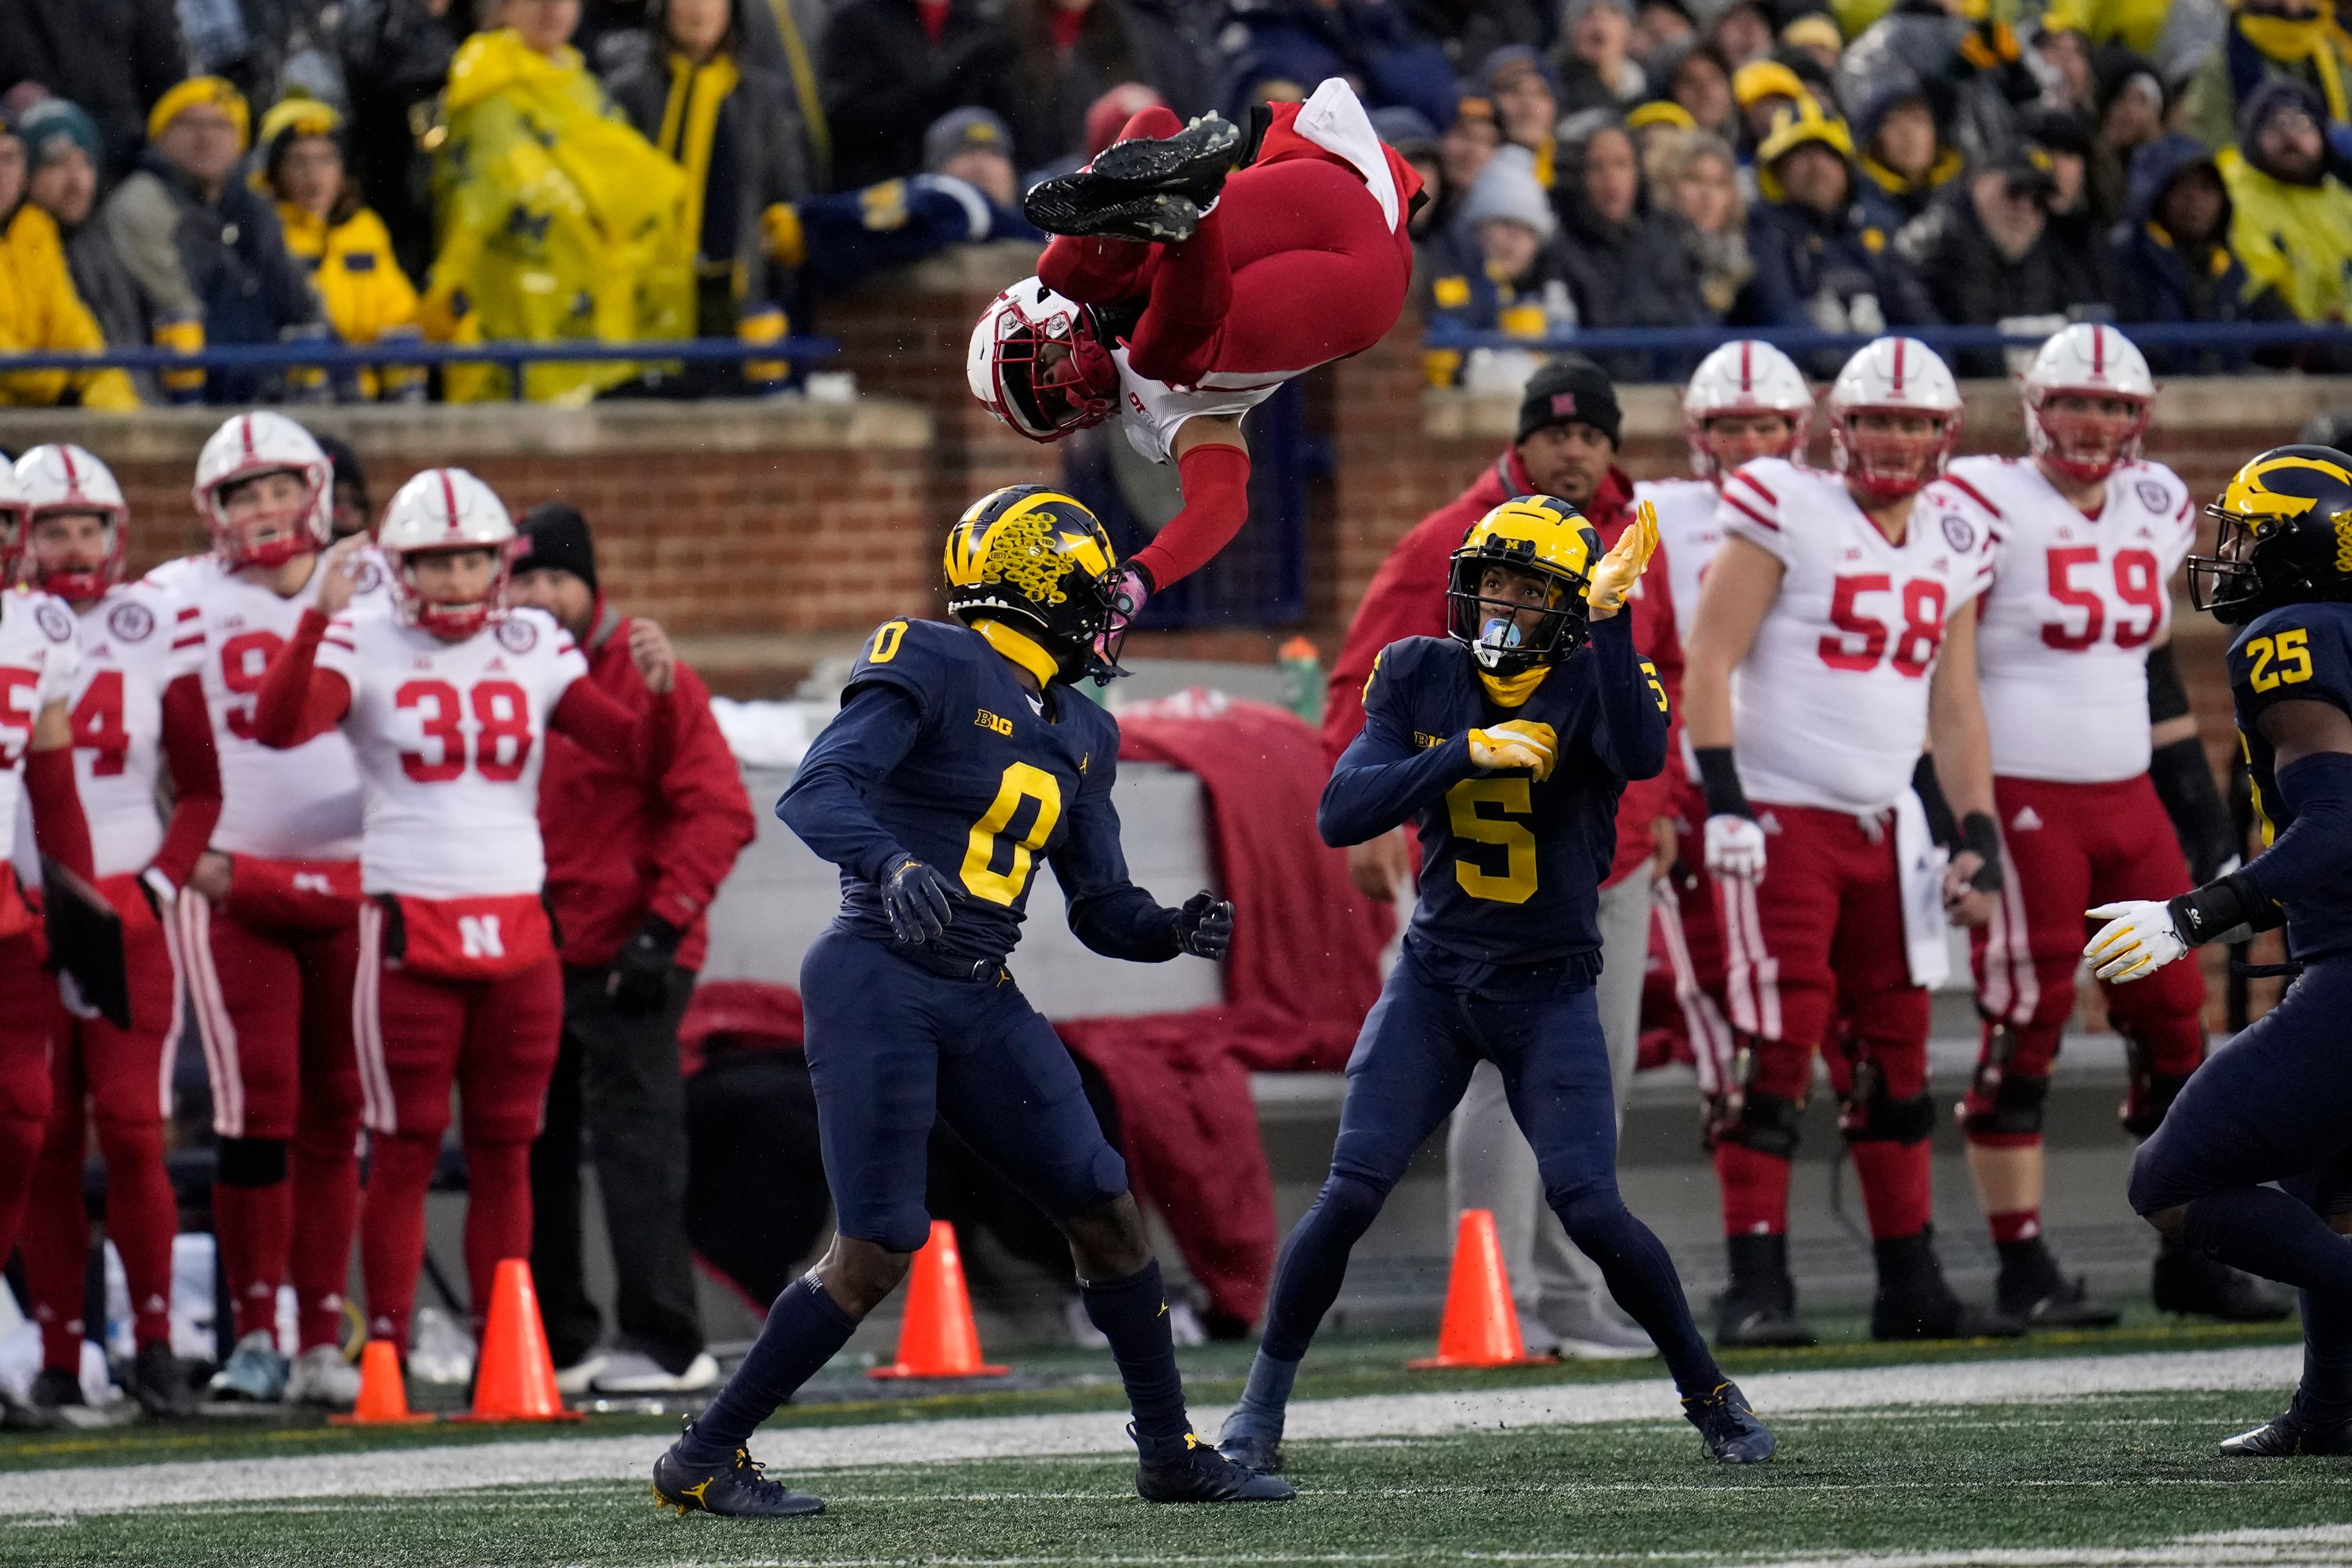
556	221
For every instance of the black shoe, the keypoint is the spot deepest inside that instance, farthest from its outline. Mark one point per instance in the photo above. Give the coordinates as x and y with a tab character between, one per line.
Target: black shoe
1190	1471
1758	1309
1251	1452
1192	165
2286	1436
1727	1425
2033	1291
160	1384
737	1489
54	1388
2197	1285
1154	217
1914	1302
16	1416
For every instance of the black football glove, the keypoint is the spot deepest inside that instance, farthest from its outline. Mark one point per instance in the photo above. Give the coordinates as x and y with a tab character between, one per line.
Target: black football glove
639	980
1204	926
916	898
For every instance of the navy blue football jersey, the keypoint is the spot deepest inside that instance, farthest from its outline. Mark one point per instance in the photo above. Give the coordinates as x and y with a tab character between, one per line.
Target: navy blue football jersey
2295	652
940	750
1511	866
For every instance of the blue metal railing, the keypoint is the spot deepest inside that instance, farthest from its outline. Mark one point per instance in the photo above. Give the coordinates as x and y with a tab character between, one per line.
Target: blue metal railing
510	356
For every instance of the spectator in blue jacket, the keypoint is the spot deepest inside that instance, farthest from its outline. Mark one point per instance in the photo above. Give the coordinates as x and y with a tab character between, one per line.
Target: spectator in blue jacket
1301	42
2172	248
1820	246
1498	266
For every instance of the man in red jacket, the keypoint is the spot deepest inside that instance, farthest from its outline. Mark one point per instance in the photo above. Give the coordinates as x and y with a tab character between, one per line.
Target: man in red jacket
1566	447
630	871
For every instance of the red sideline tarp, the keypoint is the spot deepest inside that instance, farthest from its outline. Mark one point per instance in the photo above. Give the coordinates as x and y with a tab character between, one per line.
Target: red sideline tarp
1304	971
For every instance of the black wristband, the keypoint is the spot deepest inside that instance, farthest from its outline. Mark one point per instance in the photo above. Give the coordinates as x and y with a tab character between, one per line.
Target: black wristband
1718	776
1981	833
1930	791
2218	907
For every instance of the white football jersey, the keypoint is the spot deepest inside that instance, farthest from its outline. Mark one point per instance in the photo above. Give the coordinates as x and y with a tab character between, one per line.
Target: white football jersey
134	643
2075	605
1689	532
1150	410
1829	707
302	805
37	664
450	739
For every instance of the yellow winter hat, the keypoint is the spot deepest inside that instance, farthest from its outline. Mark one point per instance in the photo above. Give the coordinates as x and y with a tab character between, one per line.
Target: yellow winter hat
212	90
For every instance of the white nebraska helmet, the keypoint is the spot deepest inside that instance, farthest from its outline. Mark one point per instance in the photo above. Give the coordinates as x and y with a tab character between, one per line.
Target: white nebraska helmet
1007	363
1892	375
66	477
12	523
266	443
438	510
1745	377
2087	360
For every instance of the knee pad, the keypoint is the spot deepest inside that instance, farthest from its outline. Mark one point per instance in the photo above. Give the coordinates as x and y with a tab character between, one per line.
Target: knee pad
1764	1122
1876	1116
2002	1105
1590	1216
1098	1182
249	1161
1349	1203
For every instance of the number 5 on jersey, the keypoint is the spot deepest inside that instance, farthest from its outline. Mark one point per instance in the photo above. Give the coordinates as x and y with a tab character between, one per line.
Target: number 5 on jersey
1466	807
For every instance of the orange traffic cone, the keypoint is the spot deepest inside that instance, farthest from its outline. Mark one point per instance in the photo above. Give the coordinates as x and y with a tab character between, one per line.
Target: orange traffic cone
937	1338
383	1394
1481	1326
514	1378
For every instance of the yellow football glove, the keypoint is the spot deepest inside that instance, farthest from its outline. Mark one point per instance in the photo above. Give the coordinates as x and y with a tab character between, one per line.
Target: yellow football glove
1622	566
1516	744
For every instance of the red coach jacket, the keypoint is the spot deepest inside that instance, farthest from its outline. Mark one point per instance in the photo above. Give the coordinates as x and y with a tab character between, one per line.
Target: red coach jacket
616	850
1406	598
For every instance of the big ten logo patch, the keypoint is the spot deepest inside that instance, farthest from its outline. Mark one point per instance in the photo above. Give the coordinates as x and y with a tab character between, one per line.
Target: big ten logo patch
997	722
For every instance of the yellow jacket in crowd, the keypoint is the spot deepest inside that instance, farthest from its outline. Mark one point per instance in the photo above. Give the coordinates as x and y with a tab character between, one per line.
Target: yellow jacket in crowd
362	289
556	220
40	313
2296	238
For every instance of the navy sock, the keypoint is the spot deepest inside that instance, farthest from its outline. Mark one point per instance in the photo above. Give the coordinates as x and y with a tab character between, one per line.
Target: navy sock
805	1328
1641	1279
2326	1392
1132	1313
1314	1261
2263	1231
1264	1399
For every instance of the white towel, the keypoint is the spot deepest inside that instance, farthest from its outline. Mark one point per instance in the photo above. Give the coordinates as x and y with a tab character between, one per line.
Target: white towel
1335	121
1919	861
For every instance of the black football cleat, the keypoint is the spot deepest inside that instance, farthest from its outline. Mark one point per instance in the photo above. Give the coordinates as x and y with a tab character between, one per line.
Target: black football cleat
2033	1291
2289	1435
17	1416
1192	165
159	1383
56	1388
1191	1472
1914	1302
2197	1285
1758	1309
1252	1452
1727	1424
738	1490
1154	217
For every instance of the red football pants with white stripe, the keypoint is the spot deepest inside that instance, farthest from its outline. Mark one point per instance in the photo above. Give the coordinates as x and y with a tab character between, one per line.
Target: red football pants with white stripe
28	1015
270	981
496	1042
121	1080
2069	846
1296	266
1815	961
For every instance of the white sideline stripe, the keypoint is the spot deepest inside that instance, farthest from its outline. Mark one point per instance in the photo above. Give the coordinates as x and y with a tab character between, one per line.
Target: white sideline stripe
790	1450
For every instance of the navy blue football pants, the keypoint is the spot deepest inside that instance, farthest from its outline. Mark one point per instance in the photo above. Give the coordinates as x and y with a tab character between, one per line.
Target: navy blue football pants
892	1048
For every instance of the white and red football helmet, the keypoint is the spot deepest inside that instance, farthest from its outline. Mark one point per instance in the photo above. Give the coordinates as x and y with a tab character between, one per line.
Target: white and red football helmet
442	510
251	445
1745	377
2087	360
1892	375
1039	362
12	523
63	478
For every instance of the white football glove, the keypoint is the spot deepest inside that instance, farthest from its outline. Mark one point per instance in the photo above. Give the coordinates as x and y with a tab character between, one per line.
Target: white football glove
1735	847
2138	938
1517	744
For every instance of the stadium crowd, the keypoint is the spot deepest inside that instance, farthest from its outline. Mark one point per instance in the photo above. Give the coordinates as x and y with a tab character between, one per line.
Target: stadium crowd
382	172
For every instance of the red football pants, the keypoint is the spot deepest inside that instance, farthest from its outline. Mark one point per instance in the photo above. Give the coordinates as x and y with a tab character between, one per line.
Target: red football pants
1694	948
273	1007
1296	266
1814	957
2069	846
494	1041
121	1078
28	1013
